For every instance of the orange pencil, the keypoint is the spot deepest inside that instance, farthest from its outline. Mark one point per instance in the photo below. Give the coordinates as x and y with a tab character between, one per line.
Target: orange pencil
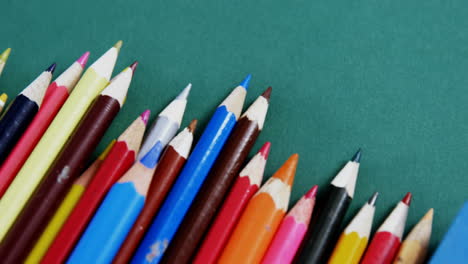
261	218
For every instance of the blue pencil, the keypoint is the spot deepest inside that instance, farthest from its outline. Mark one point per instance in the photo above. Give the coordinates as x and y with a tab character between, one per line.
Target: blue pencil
22	111
117	213
191	178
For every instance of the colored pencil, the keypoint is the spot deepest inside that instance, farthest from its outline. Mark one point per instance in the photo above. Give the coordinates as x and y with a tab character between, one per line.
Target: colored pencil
262	216
292	230
65	209
325	232
387	239
218	181
413	250
55	137
452	249
3	100
353	241
120	159
167	123
45	200
3	59
54	98
117	213
191	178
21	112
244	188
168	168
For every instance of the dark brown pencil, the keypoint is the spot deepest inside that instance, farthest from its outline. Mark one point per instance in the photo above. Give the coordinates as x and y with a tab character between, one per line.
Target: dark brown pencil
201	213
40	208
168	168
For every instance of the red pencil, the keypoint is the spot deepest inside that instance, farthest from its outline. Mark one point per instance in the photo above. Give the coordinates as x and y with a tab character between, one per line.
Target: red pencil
384	246
243	189
118	161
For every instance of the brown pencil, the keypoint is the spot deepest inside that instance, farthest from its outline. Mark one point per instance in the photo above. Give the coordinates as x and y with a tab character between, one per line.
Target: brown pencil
206	204
414	248
40	208
168	168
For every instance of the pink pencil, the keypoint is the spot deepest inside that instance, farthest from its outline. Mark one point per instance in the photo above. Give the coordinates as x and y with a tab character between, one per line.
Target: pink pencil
292	230
55	96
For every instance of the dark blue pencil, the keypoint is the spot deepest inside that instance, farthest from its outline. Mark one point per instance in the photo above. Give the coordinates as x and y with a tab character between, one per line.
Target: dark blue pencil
22	111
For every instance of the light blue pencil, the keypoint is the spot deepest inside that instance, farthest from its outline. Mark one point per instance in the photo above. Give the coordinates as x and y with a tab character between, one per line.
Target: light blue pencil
191	178
164	128
117	213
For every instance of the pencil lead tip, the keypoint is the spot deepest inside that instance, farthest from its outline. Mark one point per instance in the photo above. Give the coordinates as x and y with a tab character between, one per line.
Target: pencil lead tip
192	126
83	59
118	45
407	199
246	81
373	199
185	92
145	116
3	97
312	192
265	149
5	55
51	68
267	93
287	171
133	66
430	214
357	156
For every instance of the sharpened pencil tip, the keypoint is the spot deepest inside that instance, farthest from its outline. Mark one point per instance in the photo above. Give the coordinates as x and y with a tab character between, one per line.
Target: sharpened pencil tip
185	92
134	66
267	93
118	45
51	68
429	215
373	199
312	192
407	199
83	59
246	81
192	126
265	149
5	55
145	116
3	97
357	156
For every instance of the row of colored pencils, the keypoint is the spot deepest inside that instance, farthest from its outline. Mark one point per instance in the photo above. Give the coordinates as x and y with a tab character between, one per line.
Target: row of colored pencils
150	198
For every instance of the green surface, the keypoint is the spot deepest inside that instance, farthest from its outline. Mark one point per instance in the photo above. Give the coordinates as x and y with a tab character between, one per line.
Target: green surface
388	76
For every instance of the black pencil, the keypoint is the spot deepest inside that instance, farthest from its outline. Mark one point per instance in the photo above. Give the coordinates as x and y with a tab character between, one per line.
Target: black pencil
326	230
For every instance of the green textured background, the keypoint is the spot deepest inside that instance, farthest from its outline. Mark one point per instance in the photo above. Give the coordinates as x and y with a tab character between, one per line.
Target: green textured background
388	76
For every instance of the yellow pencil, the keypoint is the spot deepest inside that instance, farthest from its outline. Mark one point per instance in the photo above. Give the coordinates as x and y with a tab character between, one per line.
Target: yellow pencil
65	209
354	239
3	99
90	85
3	59
414	248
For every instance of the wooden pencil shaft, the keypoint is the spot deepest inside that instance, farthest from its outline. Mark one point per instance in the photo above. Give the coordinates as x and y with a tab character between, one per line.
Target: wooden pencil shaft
118	161
47	197
14	123
326	230
206	204
166	172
